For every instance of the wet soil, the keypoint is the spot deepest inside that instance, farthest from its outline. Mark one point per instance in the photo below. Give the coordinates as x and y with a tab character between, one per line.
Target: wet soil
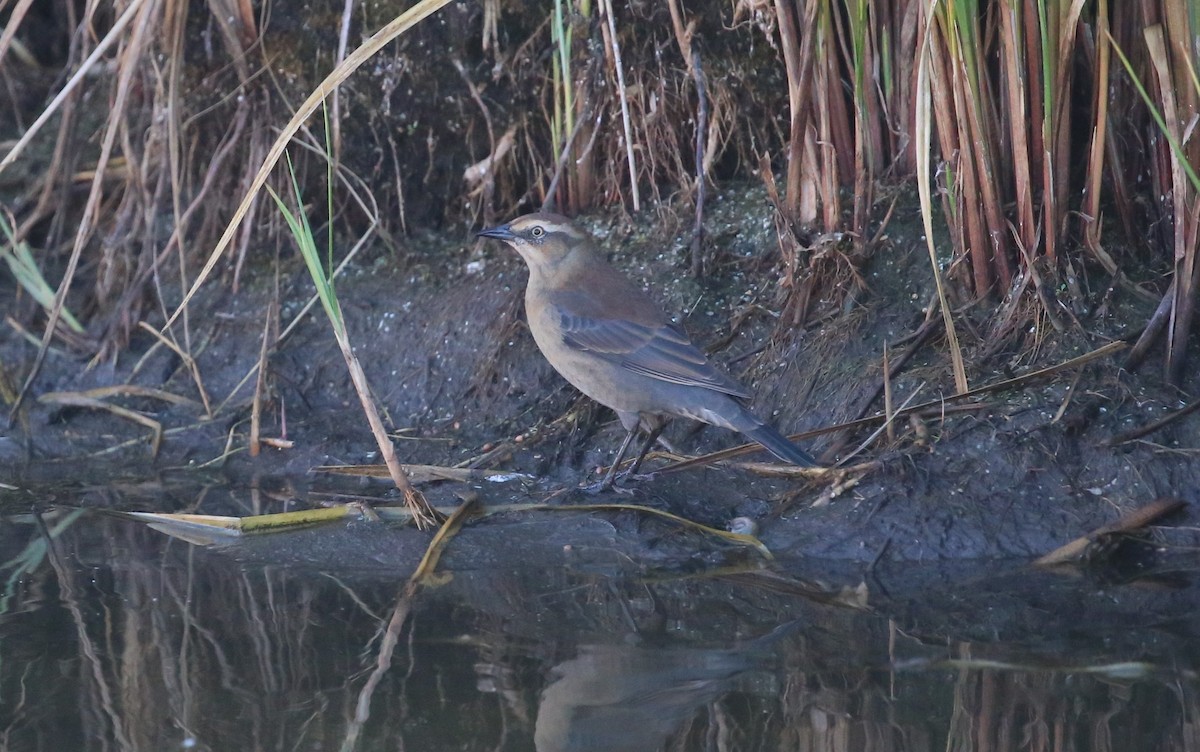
438	325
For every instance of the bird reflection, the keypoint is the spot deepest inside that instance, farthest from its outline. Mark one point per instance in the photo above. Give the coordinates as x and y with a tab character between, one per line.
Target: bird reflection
622	698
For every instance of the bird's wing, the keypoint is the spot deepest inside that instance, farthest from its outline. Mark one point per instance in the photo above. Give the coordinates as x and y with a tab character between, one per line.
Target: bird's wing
656	350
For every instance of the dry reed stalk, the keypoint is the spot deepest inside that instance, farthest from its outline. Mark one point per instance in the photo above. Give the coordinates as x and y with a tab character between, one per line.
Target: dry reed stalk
867	117
12	23
1174	66
562	93
175	15
924	118
353	61
977	195
1129	522
586	162
301	230
234	20
982	118
564	155
1123	162
1023	143
1016	116
335	104
1101	50
969	191
901	54
1182	27
683	32
607	11
1061	26
840	61
1153	330
705	141
876	115
138	40
939	67
796	41
807	201
831	120
87	67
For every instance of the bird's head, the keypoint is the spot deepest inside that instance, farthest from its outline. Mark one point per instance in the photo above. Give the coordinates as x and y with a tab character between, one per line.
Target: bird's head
542	239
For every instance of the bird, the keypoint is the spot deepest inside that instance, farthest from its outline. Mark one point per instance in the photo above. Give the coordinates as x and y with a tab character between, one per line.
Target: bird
610	340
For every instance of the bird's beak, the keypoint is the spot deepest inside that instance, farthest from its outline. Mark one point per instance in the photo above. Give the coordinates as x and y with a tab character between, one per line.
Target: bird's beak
503	232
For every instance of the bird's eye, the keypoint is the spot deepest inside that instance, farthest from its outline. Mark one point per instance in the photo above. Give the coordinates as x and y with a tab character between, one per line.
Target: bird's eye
537	231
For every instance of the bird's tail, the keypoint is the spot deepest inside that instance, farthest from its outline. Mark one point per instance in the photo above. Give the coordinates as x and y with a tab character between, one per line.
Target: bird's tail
779	445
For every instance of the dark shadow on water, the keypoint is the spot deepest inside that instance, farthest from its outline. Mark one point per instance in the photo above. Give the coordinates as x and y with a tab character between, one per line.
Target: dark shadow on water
569	632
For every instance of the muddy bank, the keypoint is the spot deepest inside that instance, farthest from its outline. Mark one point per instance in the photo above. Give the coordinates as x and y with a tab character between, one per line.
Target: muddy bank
439	327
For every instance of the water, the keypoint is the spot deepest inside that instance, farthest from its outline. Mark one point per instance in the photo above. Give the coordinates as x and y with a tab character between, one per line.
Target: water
574	632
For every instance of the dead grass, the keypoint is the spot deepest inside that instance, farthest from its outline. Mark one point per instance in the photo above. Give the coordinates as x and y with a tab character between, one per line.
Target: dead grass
164	120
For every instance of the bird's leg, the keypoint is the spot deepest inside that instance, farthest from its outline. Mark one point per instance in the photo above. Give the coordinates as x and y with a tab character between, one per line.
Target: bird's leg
611	475
650	439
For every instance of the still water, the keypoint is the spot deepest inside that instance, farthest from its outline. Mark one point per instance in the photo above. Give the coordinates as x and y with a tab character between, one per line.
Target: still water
578	632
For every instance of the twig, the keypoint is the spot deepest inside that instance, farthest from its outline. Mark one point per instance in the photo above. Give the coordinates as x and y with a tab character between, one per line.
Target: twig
1062	409
606	6
187	359
488	183
260	383
891	370
335	106
883	224
1138	518
941	404
1154	329
75	399
701	181
1137	433
887	394
888	422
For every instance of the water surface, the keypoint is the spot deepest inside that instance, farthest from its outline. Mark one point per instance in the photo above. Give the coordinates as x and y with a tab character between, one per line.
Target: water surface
564	632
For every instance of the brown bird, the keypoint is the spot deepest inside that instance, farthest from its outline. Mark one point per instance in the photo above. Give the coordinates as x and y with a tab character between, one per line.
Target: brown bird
609	339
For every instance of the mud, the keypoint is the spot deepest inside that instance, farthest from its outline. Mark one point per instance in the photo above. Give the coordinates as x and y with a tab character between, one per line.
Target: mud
439	327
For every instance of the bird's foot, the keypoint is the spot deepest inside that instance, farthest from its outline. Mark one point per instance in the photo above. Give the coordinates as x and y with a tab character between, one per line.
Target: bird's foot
606	485
610	482
637	477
